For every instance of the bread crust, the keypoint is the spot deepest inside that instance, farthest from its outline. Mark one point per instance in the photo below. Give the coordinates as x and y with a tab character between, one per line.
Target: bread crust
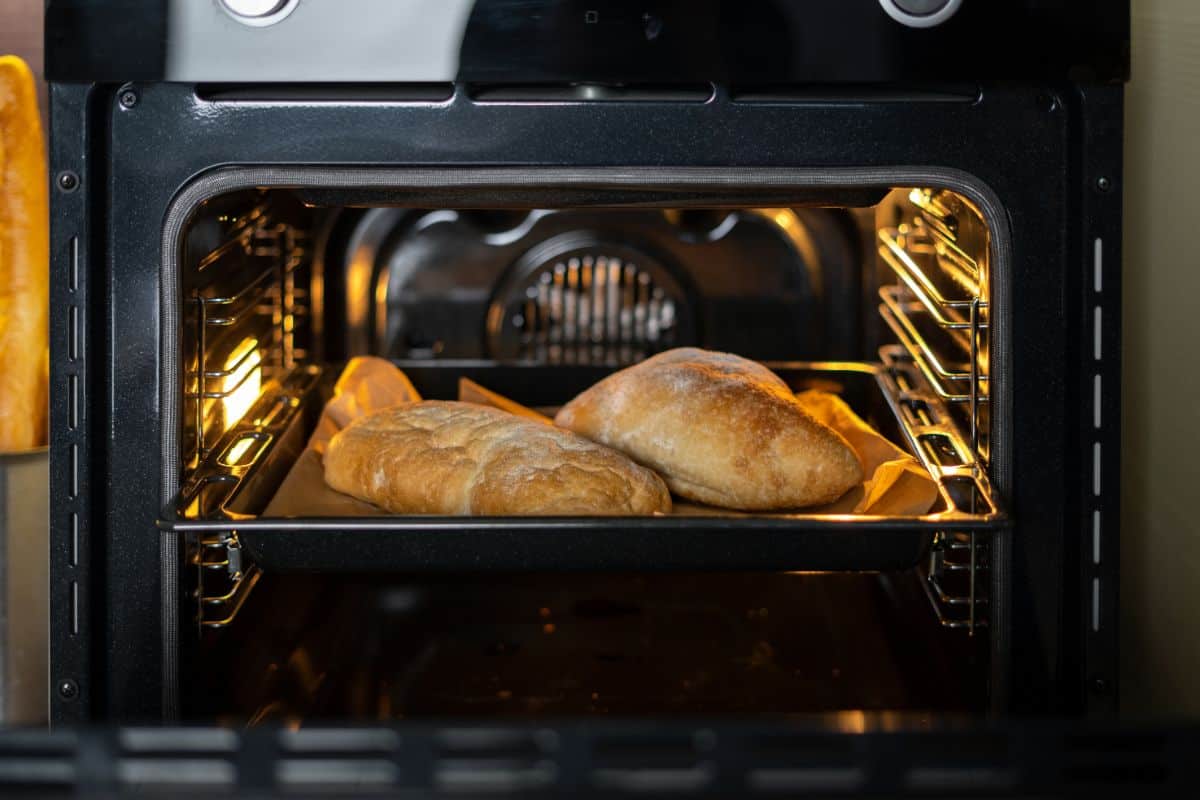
24	257
443	457
719	429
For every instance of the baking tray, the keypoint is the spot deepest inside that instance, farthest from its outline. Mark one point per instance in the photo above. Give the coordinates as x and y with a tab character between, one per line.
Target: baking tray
884	396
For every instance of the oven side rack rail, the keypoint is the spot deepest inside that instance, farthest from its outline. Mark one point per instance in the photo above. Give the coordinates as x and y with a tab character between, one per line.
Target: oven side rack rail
938	311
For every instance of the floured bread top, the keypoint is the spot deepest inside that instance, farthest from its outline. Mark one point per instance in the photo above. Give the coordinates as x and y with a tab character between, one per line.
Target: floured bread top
441	457
720	429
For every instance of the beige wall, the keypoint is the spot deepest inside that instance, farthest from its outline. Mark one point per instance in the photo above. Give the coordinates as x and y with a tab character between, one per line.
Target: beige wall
1160	495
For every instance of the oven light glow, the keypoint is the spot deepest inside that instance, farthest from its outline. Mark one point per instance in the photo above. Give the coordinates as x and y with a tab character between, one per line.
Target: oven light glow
851	721
784	218
234	456
244	381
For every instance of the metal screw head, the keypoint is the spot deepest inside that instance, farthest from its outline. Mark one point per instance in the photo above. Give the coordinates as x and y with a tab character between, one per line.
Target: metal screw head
1103	183
1099	686
128	98
68	181
653	26
68	689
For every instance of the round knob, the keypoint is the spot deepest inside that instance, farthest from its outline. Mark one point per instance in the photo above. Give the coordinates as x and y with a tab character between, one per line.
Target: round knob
259	12
920	13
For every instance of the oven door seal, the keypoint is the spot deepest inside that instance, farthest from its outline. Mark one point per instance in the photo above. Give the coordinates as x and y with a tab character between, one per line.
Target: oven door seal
711	181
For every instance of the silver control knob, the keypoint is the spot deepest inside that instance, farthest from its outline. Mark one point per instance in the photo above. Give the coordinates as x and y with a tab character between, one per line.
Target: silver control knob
258	12
920	13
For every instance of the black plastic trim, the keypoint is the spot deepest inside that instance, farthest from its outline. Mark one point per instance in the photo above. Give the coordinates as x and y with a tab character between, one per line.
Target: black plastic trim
73	525
876	754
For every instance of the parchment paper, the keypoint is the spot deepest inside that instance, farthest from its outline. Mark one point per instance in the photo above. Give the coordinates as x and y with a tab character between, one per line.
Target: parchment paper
896	483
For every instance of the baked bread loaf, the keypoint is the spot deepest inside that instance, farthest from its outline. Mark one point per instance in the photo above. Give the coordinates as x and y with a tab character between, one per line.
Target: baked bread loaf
442	457
719	429
24	261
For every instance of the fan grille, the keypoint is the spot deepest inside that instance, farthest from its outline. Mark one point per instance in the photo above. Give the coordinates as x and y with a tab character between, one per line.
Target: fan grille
592	308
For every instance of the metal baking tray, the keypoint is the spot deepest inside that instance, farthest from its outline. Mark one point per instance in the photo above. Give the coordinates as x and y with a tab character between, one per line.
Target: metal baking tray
890	397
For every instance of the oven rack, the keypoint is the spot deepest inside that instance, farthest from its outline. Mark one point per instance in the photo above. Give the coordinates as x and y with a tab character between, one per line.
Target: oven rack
949	223
952	380
938	308
955	571
897	248
221	500
954	578
224	581
224	576
262	310
235	233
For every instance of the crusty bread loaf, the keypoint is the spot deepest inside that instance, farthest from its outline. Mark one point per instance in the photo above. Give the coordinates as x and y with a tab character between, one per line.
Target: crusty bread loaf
441	457
24	261
720	429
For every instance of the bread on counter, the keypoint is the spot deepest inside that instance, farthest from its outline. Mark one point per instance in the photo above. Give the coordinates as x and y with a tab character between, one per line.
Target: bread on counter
719	429
443	457
24	260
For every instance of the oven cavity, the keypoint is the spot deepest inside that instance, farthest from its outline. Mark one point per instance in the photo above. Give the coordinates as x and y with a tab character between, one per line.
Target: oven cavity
887	305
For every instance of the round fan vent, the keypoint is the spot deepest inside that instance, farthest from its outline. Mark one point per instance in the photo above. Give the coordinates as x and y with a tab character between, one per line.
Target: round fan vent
577	300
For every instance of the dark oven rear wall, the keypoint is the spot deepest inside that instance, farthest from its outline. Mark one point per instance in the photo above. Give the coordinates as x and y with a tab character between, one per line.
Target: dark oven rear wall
1039	153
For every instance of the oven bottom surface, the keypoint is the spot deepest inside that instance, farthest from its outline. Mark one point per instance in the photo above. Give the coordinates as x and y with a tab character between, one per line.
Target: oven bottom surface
362	648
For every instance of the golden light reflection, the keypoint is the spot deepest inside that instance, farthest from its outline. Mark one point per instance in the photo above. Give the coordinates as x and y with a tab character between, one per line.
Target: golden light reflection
234	456
244	381
853	721
784	217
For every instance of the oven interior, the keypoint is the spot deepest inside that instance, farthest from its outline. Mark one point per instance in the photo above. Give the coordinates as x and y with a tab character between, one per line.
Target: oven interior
883	298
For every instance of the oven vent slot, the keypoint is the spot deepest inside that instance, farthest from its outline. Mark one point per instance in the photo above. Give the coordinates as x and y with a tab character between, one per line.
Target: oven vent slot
590	93
852	94
433	92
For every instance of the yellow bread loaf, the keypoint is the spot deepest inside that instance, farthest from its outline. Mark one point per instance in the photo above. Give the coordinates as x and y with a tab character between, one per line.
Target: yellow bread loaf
24	261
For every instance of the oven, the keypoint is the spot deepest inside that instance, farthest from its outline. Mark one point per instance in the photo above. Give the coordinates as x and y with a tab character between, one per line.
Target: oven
899	207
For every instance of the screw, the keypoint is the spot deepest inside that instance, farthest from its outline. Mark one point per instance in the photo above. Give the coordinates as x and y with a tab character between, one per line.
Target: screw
128	98
68	181
1103	183
68	689
654	26
1100	686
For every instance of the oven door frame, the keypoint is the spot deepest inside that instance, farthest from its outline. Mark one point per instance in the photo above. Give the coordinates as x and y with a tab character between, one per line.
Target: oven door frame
114	608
